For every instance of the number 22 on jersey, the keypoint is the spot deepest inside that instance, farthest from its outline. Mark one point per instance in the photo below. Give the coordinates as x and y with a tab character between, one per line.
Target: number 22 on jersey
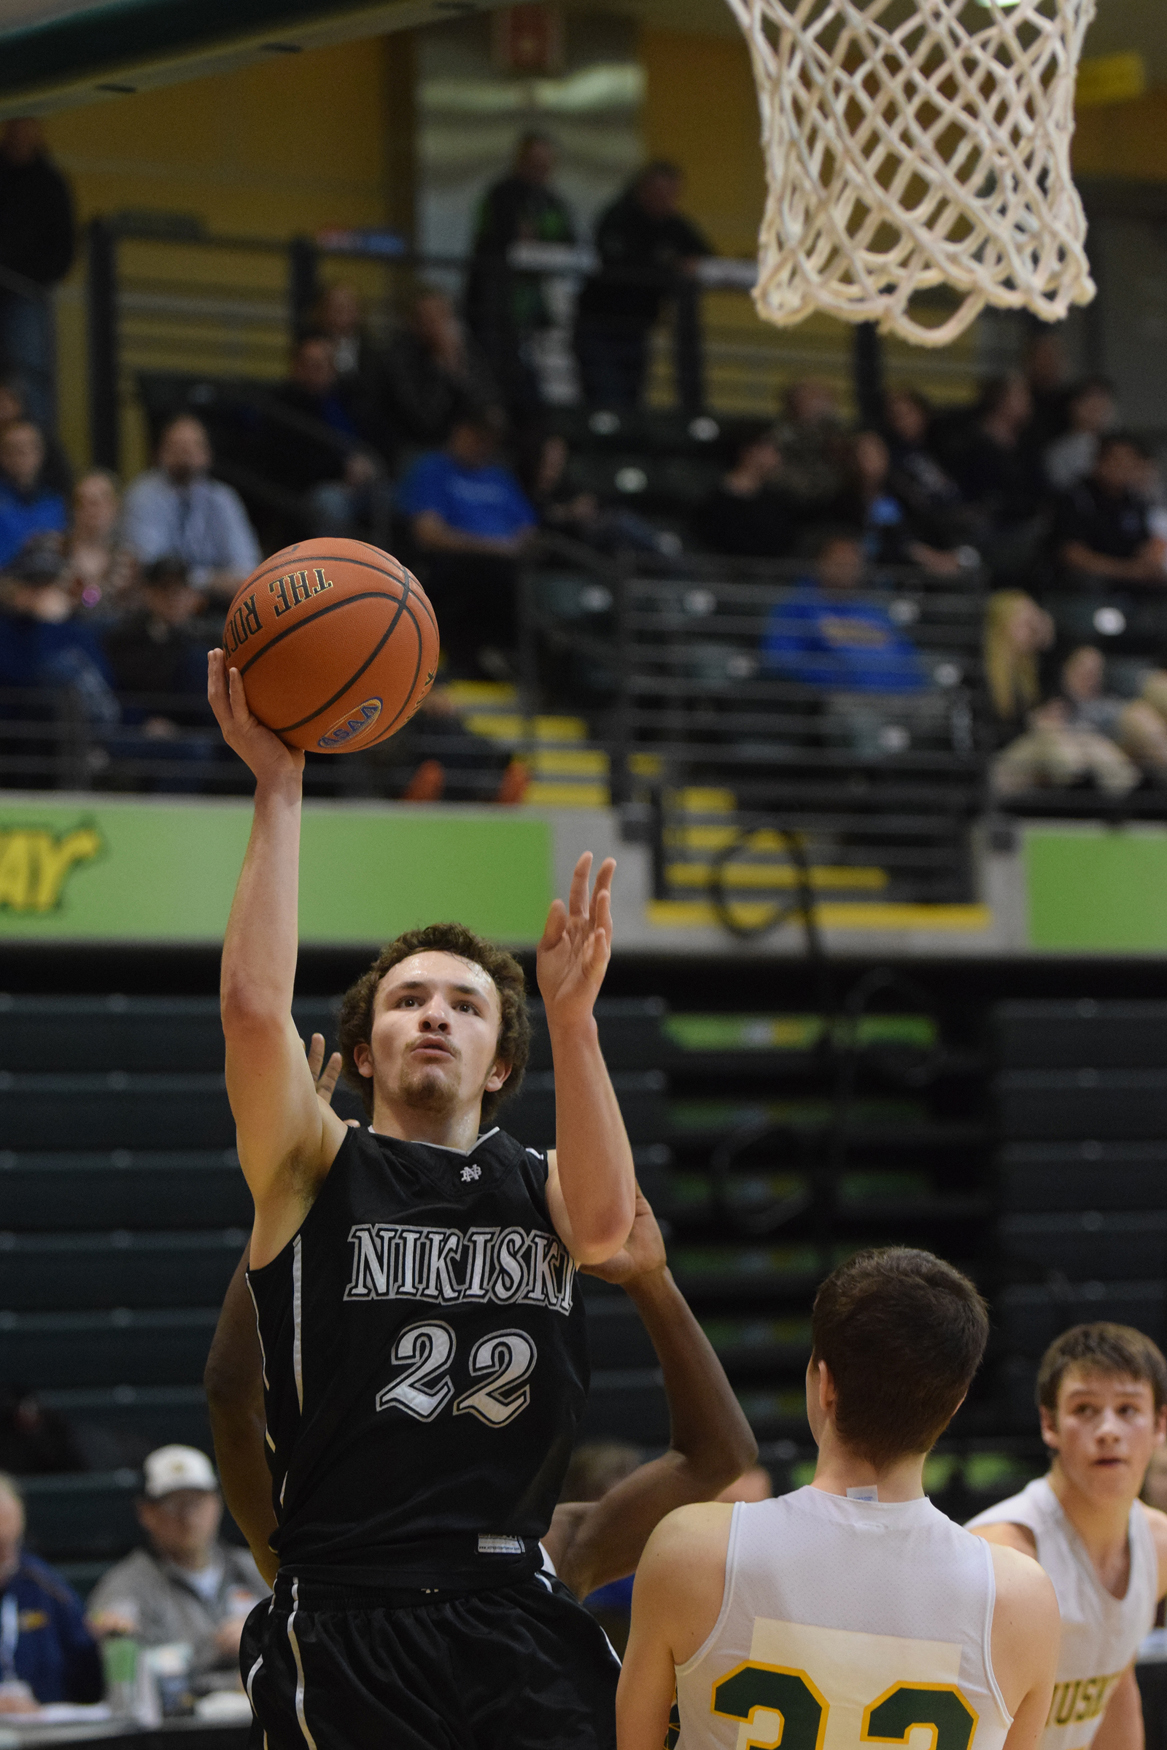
802	1710
502	1363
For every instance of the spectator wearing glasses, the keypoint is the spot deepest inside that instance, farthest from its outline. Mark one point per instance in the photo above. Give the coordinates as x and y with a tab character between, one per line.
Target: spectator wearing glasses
186	1585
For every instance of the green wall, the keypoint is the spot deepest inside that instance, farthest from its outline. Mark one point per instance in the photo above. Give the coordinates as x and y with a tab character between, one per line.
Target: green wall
143	871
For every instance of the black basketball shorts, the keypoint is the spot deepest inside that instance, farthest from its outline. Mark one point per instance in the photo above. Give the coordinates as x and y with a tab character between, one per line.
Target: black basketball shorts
521	1668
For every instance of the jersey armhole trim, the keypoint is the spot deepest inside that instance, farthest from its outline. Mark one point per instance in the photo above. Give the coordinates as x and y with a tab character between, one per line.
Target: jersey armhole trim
990	1612
727	1593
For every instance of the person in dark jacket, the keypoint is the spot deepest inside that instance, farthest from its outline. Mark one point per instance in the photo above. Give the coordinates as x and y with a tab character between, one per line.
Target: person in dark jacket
747	514
432	371
36	247
47	1653
645	245
505	306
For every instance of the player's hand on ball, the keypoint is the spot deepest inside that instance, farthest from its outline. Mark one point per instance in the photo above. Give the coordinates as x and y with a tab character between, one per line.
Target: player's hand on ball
642	1253
577	945
256	745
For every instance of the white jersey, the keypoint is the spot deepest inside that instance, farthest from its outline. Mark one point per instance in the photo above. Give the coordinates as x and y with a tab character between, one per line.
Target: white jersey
1100	1633
846	1622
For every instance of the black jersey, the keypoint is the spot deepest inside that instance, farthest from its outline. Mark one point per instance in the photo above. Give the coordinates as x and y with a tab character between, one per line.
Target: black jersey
425	1361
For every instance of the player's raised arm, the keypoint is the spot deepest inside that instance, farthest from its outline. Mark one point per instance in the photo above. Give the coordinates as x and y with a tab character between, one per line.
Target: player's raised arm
287	1139
591	1187
711	1442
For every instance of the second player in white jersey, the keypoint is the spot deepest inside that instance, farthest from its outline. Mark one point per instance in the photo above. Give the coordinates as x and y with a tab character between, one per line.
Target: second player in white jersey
1102	1392
855	1620
1100	1633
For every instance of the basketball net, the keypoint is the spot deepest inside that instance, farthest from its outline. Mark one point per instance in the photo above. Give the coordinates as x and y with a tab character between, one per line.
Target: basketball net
918	143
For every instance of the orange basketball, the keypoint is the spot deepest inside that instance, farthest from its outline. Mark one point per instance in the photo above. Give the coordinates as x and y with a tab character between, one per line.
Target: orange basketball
336	642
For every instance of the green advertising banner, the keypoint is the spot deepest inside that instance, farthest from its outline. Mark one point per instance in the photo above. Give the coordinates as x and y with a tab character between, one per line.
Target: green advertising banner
1097	890
137	870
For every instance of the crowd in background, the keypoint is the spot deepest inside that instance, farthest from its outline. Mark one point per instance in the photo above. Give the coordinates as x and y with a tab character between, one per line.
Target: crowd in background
434	443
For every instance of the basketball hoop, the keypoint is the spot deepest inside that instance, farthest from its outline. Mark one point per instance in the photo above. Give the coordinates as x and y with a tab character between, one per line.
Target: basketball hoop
918	143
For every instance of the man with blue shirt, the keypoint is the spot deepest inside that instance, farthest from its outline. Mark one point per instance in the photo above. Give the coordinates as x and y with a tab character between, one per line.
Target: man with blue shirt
823	634
27	506
46	1652
471	523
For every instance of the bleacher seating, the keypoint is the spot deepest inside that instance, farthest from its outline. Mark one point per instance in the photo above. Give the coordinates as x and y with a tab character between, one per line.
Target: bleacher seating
1082	1116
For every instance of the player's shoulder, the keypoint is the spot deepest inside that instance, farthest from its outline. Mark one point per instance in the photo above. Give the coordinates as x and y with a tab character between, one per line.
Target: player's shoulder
1007	1534
1025	1592
691	1532
1157	1526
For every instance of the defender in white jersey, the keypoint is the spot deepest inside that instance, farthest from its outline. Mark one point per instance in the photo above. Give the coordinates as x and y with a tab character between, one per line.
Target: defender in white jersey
1102	1392
852	1611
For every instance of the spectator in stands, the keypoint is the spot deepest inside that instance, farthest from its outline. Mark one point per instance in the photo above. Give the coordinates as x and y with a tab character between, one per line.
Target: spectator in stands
646	246
1072	739
471	522
505	306
1017	634
581	516
869	504
99	568
42	643
433	370
1090	413
187	1586
359	363
36	243
747	515
57	474
922	484
177	508
27	506
1102	527
47	1653
998	469
1046	375
824	634
809	435
312	447
154	649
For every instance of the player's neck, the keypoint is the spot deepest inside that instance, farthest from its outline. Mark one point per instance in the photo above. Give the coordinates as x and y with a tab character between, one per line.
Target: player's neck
840	1470
1103	1525
456	1129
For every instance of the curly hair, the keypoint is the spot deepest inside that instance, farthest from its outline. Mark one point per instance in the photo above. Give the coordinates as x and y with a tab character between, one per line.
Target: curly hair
355	1020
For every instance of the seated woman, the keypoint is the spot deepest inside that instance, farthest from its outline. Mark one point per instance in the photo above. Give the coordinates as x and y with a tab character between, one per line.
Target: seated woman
99	569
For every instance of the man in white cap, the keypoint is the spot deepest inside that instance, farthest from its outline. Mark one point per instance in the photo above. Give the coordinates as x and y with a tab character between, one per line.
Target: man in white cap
187	1586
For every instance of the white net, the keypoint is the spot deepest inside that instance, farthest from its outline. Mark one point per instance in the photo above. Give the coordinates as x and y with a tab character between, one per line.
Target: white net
918	143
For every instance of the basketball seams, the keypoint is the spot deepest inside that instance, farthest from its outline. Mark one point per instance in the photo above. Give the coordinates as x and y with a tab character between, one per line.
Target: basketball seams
355	677
368	595
390	730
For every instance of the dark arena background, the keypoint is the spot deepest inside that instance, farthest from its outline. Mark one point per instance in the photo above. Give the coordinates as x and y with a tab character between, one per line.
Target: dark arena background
852	653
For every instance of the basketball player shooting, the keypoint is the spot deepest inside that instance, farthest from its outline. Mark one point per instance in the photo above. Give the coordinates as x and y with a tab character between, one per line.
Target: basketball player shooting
425	1361
850	1611
1102	1397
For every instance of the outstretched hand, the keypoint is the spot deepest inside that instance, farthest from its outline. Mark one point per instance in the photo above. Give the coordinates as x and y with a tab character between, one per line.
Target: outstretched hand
577	945
642	1253
257	746
326	1075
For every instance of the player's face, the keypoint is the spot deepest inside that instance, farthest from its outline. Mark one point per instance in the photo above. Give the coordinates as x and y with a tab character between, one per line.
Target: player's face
1104	1432
434	1039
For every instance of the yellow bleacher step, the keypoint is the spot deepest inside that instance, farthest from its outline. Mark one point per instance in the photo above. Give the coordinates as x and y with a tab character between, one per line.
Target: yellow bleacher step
496	695
824	877
512	726
583	795
567	762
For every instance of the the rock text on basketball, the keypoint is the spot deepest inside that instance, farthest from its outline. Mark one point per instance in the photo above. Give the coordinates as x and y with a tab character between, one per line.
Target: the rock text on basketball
296	588
242	624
